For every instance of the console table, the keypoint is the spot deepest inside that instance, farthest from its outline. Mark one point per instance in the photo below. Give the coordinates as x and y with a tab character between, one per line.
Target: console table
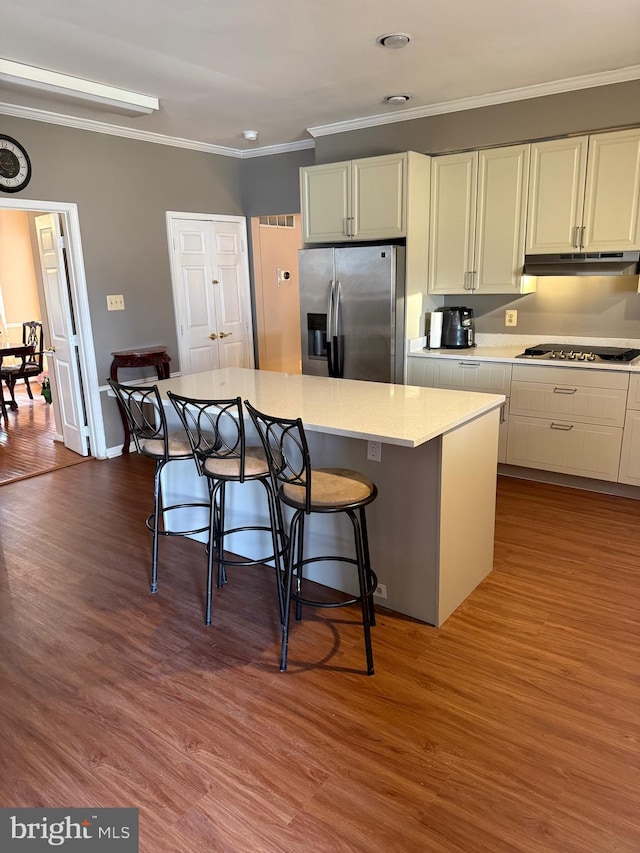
138	357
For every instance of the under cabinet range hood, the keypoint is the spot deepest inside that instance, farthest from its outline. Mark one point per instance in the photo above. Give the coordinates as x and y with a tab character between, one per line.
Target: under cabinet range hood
583	263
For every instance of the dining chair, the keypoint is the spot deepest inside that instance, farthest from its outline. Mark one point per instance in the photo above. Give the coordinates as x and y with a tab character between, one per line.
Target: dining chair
33	364
216	433
306	490
144	410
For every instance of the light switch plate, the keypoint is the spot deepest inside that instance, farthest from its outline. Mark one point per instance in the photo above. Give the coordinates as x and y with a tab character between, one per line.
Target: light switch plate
115	303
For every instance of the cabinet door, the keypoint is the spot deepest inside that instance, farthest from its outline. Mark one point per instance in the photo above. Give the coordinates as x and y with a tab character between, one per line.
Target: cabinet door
453	214
325	194
612	201
503	176
492	377
378	197
630	457
633	401
420	371
584	450
556	195
569	402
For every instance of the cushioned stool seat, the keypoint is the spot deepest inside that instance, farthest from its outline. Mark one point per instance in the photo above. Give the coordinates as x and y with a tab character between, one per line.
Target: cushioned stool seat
306	490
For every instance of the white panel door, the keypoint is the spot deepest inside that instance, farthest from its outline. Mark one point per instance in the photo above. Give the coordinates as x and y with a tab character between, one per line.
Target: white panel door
211	294
64	346
231	296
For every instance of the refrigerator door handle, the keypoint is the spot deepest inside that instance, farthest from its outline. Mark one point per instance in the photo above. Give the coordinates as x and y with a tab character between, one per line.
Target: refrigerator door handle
338	340
330	315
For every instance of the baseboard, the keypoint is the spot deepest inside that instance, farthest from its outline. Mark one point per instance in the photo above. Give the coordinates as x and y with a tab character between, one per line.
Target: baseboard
586	484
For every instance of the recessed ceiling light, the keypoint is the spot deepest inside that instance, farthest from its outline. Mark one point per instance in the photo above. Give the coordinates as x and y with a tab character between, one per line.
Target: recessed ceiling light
397	99
394	40
250	135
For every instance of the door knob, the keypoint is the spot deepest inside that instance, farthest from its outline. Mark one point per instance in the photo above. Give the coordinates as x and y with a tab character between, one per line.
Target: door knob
225	334
213	336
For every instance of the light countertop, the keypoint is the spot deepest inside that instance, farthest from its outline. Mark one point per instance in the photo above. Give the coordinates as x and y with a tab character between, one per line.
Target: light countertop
392	414
508	347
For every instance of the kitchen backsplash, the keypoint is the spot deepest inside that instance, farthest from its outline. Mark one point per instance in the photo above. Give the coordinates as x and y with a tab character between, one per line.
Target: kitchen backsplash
607	307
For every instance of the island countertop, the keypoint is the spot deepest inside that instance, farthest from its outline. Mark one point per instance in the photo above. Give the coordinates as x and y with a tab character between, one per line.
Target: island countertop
404	415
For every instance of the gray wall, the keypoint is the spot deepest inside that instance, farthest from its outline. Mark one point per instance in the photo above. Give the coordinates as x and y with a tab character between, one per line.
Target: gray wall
600	108
271	183
123	188
608	307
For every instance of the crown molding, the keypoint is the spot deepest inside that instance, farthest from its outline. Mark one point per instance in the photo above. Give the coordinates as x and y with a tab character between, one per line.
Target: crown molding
145	136
570	84
266	150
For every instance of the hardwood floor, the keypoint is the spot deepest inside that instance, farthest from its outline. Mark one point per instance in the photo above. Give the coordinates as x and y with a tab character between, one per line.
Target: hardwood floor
514	727
27	447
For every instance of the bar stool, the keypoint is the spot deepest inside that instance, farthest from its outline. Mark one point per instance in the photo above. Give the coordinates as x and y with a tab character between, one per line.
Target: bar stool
216	433
142	406
307	490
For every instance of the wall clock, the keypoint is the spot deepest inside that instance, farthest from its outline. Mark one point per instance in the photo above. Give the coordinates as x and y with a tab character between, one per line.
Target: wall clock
15	166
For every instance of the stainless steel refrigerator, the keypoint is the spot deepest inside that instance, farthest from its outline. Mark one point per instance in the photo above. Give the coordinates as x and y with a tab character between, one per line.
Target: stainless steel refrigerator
352	312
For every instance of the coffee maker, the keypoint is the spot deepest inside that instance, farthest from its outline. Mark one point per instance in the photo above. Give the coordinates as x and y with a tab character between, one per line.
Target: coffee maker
458	328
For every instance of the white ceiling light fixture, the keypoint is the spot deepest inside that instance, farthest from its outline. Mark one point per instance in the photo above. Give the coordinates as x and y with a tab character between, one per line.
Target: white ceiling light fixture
39	79
250	135
397	100
394	40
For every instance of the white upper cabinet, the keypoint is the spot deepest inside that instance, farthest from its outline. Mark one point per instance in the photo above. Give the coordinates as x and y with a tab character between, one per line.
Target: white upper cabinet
478	218
584	194
354	200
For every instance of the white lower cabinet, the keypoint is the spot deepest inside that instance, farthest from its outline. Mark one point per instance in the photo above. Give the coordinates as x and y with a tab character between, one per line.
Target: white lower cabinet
464	374
567	420
630	457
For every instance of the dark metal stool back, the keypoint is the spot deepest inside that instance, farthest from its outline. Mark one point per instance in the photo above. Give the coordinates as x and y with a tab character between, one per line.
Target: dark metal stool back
142	406
216	433
306	490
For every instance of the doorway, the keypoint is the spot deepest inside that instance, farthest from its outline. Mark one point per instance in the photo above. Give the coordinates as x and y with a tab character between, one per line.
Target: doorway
58	266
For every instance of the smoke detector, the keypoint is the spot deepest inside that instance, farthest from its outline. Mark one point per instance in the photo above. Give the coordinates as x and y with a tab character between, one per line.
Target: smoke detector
250	135
396	100
394	40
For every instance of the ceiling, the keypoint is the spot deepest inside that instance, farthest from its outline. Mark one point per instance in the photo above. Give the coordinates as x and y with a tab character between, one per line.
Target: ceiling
292	69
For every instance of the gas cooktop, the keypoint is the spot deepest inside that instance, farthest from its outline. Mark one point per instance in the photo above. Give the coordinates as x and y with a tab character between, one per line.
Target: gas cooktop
573	352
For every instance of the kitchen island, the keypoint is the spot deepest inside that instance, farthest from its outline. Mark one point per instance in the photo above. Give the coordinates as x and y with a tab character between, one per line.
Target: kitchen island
431	528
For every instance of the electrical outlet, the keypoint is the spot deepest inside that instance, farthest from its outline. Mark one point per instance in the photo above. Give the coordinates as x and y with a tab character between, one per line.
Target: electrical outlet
511	317
381	590
374	451
115	303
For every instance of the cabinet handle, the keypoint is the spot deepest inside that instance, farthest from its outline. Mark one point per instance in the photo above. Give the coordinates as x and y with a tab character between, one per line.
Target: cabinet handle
582	229
465	281
474	280
574	239
503	413
565	427
353	227
345	227
468	364
557	390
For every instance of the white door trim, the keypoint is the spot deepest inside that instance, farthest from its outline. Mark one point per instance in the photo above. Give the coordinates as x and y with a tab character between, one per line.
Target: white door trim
175	215
78	285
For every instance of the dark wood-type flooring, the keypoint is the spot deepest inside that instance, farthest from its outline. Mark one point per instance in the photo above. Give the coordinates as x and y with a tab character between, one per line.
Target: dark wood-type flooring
27	447
514	727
